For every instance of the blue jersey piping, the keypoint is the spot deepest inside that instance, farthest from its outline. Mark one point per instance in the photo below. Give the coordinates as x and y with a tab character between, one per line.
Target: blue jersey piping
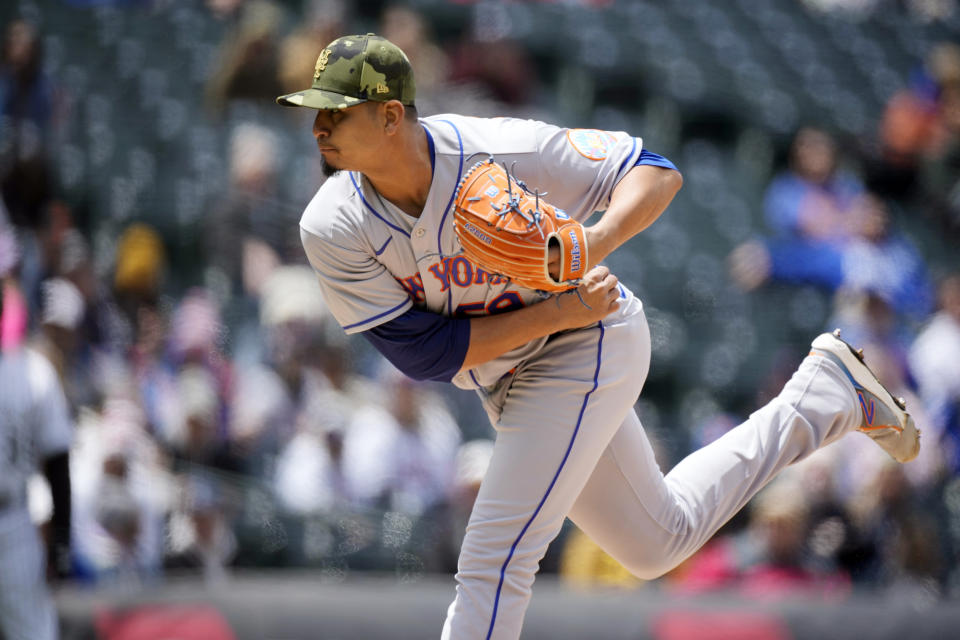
374	211
379	315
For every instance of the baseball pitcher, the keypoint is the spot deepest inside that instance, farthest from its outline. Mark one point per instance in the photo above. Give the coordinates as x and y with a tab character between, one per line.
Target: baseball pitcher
456	246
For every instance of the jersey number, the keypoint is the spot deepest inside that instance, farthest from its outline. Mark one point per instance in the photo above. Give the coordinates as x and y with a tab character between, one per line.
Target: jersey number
506	301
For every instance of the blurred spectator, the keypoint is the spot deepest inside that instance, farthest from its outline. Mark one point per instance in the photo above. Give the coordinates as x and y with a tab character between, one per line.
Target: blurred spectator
900	529
868	320
9	247
488	57
63	310
249	235
940	171
812	199
834	543
264	414
123	492
26	126
104	330
186	388
780	521
81	329
808	212
59	222
288	295
310	476
409	30
147	361
26	109
61	341
197	333
198	437
934	358
117	512
200	538
438	533
306	390
41	259
881	260
874	259
246	66
322	22
912	126
139	266
401	456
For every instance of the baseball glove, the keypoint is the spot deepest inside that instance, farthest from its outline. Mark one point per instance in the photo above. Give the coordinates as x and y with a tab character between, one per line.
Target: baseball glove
508	230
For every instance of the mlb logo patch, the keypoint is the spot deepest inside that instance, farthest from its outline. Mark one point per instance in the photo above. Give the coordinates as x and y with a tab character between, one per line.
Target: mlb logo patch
492	191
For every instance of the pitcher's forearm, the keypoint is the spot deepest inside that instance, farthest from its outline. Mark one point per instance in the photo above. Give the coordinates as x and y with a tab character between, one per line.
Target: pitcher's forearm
493	336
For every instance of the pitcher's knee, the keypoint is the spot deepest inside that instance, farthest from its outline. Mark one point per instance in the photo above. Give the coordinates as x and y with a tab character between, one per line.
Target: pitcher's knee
649	564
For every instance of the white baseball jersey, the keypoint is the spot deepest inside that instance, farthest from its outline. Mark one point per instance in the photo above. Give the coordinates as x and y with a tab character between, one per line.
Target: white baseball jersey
568	441
376	262
34	424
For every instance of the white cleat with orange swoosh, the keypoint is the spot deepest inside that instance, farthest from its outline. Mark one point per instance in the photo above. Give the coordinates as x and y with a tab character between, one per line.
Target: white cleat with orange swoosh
885	418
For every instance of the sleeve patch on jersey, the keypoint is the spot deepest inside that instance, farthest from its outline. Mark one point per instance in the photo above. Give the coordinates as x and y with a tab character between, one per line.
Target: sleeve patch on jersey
591	143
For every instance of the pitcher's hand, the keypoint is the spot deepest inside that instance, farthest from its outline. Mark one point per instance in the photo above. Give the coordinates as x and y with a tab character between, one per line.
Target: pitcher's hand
593	300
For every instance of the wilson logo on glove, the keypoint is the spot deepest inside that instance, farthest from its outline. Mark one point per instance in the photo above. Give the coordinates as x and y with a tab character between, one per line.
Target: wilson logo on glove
507	229
575	251
480	234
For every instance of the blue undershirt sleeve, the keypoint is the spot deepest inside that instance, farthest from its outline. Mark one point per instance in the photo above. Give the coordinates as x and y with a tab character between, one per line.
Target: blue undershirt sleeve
648	157
422	344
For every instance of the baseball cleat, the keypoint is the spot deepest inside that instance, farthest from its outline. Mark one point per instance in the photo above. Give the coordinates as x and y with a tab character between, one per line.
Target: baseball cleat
884	417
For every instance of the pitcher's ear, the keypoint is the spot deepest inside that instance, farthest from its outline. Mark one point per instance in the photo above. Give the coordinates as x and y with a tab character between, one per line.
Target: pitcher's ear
393	115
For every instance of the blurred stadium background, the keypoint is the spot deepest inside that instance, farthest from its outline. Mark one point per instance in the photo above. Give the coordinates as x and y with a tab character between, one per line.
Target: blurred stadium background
228	433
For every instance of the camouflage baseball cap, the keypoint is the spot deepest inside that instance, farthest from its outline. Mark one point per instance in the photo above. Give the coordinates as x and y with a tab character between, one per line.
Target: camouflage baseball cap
354	69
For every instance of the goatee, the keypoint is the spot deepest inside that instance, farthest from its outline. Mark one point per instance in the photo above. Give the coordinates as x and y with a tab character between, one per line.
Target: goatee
327	168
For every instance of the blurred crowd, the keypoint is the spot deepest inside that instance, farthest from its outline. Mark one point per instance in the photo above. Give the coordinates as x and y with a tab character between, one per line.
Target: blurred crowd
848	516
224	420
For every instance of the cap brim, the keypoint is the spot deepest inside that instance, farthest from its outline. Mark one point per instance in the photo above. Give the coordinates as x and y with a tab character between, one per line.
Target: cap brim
318	99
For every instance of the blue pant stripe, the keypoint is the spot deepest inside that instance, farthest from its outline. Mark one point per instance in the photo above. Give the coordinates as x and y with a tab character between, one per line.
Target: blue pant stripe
576	430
